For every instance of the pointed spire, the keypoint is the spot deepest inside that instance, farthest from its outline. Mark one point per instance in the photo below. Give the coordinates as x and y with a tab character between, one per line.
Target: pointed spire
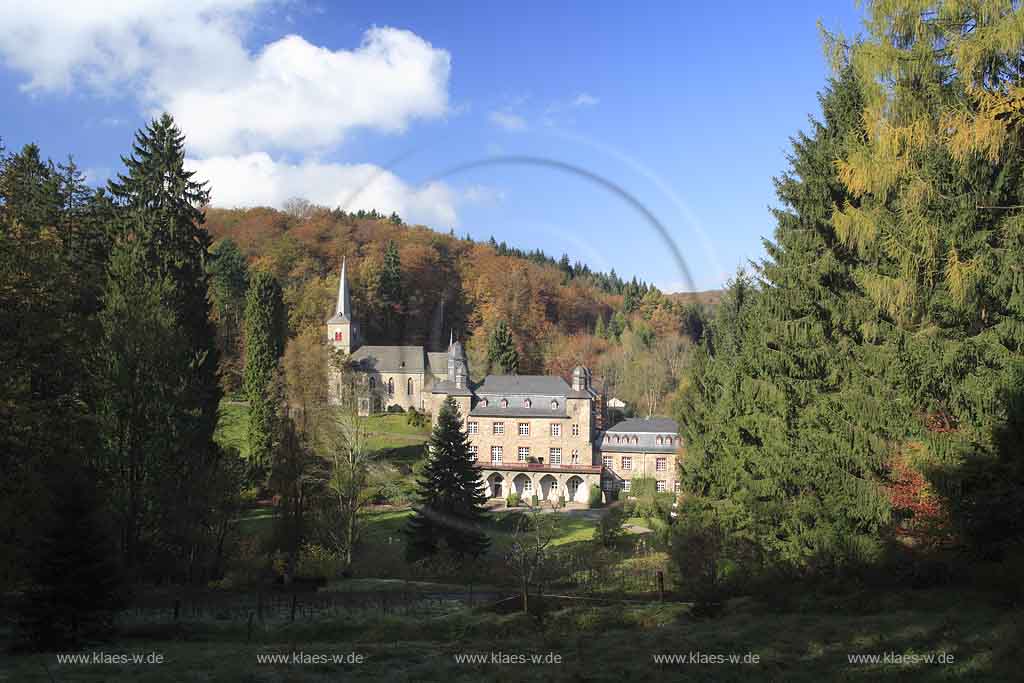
344	307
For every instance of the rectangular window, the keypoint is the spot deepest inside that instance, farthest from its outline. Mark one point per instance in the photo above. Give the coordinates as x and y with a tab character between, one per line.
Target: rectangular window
659	487
575	430
675	487
607	461
555	456
575	457
524	453
472	452
528	487
524	429
627	462
625	484
498	428
556	429
659	465
472	427
495	454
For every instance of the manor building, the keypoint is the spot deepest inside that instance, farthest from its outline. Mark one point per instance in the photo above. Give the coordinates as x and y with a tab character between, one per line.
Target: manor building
533	435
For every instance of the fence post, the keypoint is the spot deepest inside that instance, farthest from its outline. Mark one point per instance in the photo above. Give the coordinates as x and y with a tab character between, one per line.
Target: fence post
661	586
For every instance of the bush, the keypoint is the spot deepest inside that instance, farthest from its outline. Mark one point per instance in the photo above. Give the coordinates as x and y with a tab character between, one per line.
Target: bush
610	528
561	501
534	500
415	418
317	561
594	499
395	408
512	500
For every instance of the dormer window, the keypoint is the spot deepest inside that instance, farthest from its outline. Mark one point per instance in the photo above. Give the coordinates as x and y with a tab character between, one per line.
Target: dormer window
504	403
554	405
483	402
658	440
527	403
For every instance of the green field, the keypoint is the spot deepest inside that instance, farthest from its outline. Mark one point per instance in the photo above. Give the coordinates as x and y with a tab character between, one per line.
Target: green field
611	643
391	434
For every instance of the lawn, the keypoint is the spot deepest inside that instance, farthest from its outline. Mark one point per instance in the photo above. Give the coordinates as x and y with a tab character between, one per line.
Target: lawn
611	643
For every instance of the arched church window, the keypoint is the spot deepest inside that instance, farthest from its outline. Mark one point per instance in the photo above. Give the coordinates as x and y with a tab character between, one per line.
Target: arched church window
408	386
391	386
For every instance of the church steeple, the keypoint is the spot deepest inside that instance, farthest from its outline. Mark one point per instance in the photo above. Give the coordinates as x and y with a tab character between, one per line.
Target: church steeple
344	309
342	332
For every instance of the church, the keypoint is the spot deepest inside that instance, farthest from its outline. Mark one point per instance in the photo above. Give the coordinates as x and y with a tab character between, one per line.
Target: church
533	435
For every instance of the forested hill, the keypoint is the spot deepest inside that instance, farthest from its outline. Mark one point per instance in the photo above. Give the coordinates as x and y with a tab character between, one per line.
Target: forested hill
413	285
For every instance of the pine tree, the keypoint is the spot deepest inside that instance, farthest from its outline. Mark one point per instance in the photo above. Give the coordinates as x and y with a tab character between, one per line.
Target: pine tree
451	499
160	419
391	293
77	586
599	327
501	350
264	345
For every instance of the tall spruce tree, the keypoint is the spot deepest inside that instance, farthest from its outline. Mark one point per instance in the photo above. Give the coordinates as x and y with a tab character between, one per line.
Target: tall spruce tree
450	510
776	423
264	345
501	350
162	394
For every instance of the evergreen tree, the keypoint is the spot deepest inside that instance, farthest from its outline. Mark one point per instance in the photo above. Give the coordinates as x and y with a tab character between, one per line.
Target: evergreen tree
777	424
264	345
599	327
229	282
160	418
77	586
501	350
391	293
451	498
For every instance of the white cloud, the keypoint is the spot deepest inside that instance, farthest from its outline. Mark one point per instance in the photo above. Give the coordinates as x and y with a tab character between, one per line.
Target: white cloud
258	180
295	95
585	100
188	58
510	122
482	194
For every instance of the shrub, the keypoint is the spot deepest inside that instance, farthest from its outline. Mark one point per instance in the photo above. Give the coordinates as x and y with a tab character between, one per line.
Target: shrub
534	500
415	418
318	561
610	528
512	500
594	499
395	408
561	501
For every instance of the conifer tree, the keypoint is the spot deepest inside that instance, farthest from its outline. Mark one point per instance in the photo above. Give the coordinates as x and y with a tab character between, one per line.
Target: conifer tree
264	345
77	586
162	394
501	350
599	327
451	498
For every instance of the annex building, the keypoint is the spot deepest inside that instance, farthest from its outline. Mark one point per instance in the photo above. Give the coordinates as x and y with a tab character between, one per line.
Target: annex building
535	435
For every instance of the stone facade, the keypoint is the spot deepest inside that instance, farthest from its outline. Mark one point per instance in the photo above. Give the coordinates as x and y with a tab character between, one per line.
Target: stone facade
531	434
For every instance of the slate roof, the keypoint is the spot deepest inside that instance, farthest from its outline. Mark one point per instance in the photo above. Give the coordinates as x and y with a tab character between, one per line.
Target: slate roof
646	431
653	425
518	411
437	361
446	387
523	385
409	359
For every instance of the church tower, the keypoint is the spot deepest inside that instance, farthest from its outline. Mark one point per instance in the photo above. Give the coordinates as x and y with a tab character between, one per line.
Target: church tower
342	332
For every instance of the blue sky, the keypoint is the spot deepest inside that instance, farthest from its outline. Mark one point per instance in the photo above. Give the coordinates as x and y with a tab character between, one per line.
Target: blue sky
687	107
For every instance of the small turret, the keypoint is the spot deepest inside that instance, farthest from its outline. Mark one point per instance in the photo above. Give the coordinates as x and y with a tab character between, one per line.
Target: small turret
580	378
